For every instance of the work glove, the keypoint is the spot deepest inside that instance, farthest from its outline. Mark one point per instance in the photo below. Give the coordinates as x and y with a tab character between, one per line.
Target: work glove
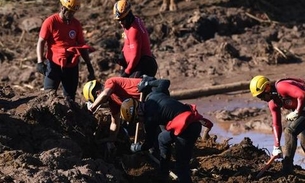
124	74
135	147
277	151
89	105
144	84
120	60
91	72
292	115
91	77
41	67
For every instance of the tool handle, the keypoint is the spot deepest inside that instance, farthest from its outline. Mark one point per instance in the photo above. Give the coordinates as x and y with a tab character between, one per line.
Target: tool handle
267	165
137	125
136	133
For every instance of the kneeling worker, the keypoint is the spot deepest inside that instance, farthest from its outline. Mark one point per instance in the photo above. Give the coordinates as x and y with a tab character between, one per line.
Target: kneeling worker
182	126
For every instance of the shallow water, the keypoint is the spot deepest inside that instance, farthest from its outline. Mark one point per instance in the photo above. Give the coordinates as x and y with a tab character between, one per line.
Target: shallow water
262	140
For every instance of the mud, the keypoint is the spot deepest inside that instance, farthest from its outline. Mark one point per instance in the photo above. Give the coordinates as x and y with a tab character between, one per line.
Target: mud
203	43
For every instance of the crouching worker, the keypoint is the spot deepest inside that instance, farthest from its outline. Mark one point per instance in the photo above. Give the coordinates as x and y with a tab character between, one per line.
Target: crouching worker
114	91
182	126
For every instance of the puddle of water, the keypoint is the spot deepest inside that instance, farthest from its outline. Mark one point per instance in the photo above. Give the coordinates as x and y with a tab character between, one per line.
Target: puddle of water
263	140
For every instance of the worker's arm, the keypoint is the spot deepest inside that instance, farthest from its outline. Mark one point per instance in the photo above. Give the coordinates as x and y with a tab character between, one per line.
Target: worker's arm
101	98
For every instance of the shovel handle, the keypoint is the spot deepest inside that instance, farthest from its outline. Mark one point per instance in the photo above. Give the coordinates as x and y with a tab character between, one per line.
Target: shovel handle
137	125
267	165
136	133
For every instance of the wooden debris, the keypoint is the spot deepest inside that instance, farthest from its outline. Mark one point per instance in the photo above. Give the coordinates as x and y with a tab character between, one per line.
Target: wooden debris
212	90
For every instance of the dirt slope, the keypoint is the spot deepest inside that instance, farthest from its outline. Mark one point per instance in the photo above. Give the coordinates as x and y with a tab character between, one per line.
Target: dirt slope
204	43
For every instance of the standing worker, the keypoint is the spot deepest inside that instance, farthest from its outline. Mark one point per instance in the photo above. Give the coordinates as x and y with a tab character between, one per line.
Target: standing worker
182	126
65	42
287	93
137	58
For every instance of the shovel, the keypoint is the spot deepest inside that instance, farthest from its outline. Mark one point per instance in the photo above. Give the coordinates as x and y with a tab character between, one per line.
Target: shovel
130	161
267	165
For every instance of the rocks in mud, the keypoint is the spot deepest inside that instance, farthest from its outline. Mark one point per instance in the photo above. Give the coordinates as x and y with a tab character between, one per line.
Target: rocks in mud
245	119
238	113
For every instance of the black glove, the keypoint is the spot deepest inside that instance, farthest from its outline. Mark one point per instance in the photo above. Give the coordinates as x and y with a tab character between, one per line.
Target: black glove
144	84
91	75
124	74
120	60
41	67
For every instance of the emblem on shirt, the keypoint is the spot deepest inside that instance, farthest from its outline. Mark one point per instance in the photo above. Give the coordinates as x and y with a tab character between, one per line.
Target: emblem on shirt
72	34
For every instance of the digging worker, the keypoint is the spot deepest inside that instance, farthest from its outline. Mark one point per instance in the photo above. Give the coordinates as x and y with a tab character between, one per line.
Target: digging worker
136	58
287	93
65	42
182	126
114	91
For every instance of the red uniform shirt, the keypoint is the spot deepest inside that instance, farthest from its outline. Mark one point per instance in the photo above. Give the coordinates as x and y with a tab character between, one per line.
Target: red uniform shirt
122	88
292	96
136	44
60	36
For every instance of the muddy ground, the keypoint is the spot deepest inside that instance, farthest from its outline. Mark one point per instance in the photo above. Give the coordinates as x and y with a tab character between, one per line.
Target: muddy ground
203	44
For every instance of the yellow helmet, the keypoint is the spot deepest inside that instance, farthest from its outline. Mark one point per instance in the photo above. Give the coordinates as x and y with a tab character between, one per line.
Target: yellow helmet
258	85
129	109
72	5
121	9
90	88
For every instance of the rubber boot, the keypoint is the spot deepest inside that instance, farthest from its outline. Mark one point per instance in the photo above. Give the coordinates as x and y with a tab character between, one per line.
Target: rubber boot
287	164
302	140
290	148
164	169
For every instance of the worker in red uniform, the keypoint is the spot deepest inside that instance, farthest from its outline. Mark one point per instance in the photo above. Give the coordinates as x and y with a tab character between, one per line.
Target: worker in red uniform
114	91
182	124
287	93
137	58
63	35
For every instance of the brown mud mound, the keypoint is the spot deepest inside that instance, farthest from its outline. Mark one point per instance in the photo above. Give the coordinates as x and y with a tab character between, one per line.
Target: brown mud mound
41	139
44	138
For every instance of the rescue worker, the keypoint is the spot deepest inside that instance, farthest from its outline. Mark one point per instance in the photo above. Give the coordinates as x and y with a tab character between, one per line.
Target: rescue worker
114	91
287	93
182	124
63	35
137	58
